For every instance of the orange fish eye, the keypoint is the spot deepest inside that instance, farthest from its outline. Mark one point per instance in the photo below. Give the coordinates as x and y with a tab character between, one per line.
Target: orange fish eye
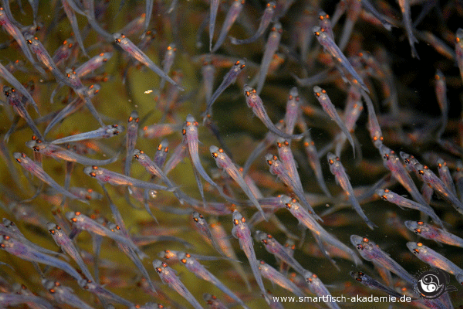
419	244
236	222
420	222
243	220
365	239
331	162
418	231
183	261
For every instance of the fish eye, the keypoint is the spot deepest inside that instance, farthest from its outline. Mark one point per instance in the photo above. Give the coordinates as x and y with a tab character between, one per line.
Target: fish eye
215	155
236	222
365	239
359	247
420	223
331	162
288	205
418	231
243	220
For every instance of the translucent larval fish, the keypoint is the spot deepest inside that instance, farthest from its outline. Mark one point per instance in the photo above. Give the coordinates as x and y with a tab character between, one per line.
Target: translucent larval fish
287	158
203	228
459	50
201	272
277	249
37	171
232	14
317	287
72	107
254	102
131	254
63	294
73	21
225	163
325	23
168	61
435	259
116	179
329	108
433	233
27	253
8	228
270	49
104	132
269	140
372	283
93	64
441	94
267	17
39	50
401	201
277	168
130	140
337	169
212	18
243	234
190	133
154	169
12	30
314	162
13	299
371	252
100	291
169	277
439	187
138	54
293	110
407	20
337	54
82	222
20	109
354	8
220	235
275	276
445	176
367	5
398	171
6	75
317	230
60	153
228	79
66	244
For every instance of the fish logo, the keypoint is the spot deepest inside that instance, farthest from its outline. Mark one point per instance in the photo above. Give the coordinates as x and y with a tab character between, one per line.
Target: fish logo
433	283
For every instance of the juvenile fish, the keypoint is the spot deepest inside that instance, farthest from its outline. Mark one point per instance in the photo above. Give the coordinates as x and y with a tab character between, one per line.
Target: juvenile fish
435	259
201	272
232	14
372	283
254	102
371	252
25	252
264	23
228	79
168	277
139	55
243	234
337	169
401	201
276	168
337	54
37	171
433	233
56	152
66	244
104	132
225	163
275	276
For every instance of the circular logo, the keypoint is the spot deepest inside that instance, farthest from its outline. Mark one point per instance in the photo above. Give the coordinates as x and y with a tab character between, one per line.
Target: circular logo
431	284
